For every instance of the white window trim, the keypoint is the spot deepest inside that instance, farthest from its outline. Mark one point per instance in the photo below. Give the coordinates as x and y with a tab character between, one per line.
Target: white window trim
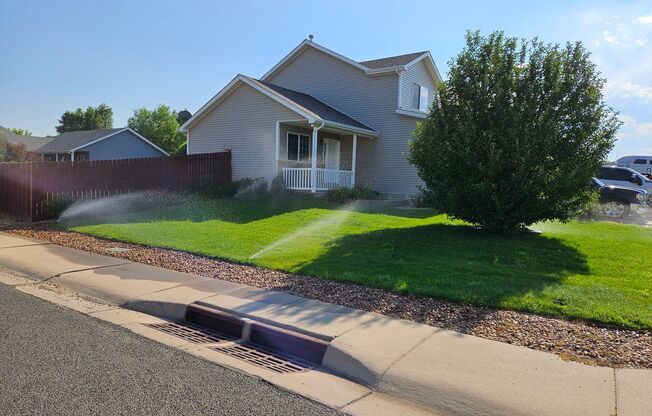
423	109
287	147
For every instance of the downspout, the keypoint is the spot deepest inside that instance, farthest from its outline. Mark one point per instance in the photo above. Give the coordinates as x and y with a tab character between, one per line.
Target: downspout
313	170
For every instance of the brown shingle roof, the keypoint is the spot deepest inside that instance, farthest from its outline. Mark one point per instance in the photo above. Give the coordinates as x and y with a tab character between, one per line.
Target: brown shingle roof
392	60
310	103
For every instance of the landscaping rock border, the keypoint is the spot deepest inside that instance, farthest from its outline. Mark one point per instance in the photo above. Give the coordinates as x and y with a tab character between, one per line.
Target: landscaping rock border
570	340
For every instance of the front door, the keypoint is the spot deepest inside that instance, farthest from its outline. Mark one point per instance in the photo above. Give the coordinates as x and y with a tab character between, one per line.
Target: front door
331	154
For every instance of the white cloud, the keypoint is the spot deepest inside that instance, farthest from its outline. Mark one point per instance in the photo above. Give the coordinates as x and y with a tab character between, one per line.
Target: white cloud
634	137
628	90
610	37
644	20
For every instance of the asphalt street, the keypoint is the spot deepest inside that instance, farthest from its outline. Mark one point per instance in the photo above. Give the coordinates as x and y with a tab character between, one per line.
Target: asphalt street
55	361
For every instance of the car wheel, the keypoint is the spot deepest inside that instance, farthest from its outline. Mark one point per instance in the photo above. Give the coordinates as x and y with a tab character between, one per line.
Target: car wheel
615	209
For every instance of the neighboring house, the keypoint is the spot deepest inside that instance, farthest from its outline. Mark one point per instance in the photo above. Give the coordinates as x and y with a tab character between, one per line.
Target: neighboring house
31	143
321	120
105	144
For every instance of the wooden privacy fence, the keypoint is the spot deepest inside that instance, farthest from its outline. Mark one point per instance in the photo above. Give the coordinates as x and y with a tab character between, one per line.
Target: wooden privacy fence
26	188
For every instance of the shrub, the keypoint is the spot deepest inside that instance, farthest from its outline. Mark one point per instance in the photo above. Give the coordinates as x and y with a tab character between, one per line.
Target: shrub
227	190
181	150
54	207
350	194
515	134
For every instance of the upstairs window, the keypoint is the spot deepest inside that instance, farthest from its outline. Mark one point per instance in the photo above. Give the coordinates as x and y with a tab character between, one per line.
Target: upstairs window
298	147
419	97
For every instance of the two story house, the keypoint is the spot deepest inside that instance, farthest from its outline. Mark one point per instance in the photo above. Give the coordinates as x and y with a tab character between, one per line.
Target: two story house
321	120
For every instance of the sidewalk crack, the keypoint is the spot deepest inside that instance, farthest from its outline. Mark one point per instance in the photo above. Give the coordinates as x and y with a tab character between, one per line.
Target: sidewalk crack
424	339
83	270
615	392
355	400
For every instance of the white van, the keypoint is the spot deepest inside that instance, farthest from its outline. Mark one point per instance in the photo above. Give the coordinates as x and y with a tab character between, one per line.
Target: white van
642	164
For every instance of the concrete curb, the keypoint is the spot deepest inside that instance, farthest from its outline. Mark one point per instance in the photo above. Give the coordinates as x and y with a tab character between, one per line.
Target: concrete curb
448	372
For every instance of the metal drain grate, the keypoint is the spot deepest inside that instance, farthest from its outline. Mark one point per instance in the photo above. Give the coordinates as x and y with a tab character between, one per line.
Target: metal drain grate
263	357
193	333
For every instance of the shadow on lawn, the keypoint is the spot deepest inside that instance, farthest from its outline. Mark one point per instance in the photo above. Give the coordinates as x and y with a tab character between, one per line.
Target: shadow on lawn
451	262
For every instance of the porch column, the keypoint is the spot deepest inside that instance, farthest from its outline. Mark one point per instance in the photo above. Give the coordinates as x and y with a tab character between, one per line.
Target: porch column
278	144
353	158
313	160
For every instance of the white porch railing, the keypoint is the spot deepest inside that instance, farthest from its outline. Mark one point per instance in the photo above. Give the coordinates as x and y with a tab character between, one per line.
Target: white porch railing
301	179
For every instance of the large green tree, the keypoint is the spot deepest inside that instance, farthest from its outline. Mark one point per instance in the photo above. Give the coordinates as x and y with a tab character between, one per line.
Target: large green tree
160	126
515	133
100	117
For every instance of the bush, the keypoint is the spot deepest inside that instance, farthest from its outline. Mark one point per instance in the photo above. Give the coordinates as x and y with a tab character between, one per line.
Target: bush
181	150
515	134
351	194
54	207
227	190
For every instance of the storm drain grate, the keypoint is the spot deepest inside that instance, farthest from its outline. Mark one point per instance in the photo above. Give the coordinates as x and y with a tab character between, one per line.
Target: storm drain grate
196	334
264	357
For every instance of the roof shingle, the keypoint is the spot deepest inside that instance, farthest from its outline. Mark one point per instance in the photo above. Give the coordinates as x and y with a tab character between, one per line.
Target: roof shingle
314	105
32	143
65	142
392	61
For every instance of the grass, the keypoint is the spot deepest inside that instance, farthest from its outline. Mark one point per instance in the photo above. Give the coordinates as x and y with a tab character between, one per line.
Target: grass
596	271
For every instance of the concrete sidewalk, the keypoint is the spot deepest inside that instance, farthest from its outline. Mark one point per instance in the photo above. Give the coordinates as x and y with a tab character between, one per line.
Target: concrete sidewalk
448	372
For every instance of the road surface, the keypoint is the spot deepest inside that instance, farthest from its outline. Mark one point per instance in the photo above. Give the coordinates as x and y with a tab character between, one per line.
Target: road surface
56	361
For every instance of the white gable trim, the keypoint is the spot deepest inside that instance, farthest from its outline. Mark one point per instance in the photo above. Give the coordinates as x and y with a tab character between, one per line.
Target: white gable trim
242	79
430	64
235	83
303	46
118	132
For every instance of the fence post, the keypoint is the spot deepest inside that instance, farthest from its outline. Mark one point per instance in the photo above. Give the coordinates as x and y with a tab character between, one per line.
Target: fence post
31	193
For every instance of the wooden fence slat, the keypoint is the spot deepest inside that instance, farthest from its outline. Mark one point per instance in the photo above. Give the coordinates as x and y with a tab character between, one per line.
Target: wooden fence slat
25	188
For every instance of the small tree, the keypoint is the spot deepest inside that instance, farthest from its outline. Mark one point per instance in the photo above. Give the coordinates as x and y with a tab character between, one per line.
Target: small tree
20	132
160	126
515	134
100	117
15	152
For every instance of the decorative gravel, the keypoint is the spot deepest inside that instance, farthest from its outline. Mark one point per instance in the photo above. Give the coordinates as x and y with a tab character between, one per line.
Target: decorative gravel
571	340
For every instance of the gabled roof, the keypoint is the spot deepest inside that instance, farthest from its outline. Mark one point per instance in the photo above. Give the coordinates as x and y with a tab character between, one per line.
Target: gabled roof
75	140
319	108
307	106
372	67
392	61
31	142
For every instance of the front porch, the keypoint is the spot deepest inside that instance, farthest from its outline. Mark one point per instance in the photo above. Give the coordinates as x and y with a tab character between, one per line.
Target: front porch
315	158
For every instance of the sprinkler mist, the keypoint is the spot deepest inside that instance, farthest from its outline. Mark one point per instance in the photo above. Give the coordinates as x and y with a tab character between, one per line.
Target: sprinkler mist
331	221
117	205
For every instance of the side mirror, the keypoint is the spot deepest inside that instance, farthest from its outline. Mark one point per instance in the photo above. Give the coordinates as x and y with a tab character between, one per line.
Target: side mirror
635	179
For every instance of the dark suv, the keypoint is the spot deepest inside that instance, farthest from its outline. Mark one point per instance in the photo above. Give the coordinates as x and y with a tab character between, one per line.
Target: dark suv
617	202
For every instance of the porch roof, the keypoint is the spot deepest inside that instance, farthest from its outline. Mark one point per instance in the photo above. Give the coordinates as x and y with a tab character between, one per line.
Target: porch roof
319	108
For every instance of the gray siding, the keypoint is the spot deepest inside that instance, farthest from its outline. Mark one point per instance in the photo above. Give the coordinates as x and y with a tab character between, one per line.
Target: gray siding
417	73
372	100
123	145
245	123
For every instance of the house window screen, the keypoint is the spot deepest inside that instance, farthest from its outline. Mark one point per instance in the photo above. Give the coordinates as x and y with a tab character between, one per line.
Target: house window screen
419	97
298	147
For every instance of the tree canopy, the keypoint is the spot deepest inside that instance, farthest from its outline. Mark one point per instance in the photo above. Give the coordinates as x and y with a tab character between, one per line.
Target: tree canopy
20	132
100	117
160	126
515	133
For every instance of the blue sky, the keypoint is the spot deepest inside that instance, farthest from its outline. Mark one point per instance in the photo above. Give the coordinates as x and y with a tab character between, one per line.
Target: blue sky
60	55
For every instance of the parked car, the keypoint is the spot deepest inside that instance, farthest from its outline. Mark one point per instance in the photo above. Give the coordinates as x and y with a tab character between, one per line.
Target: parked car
641	164
618	202
624	177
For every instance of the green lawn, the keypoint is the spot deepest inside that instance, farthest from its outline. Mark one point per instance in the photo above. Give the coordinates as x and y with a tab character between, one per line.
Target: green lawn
596	271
